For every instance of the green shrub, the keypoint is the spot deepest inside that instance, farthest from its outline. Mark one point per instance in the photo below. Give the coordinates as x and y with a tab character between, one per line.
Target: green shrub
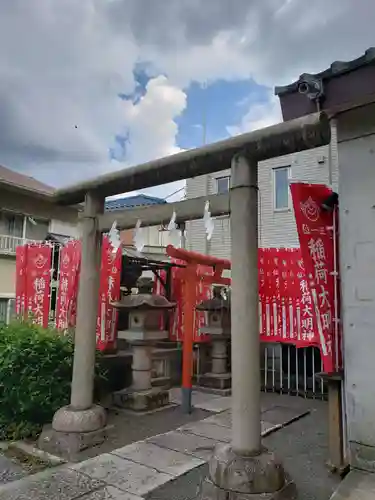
35	377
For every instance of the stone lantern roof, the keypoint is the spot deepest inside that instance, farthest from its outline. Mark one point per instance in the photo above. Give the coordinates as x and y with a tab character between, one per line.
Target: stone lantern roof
144	299
217	303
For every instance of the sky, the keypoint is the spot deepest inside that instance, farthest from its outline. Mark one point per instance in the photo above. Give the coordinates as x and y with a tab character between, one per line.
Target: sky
91	86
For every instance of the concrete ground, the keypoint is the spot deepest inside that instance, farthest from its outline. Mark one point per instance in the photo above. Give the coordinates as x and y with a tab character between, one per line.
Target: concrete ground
169	465
302	445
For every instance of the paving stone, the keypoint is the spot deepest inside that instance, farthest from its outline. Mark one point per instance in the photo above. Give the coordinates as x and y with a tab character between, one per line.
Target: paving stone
223	419
51	484
163	460
208	430
109	493
357	485
190	444
197	398
282	415
216	405
122	474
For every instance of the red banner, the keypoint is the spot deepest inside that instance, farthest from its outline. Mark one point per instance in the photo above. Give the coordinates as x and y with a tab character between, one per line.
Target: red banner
70	259
285	304
21	272
38	282
109	291
316	231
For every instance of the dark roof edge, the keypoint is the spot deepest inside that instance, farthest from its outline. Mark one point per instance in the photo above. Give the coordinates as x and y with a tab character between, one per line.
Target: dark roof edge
12	186
336	69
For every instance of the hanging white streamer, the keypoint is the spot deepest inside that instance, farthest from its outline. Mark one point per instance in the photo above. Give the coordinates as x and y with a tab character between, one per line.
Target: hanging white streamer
138	238
114	238
174	236
208	221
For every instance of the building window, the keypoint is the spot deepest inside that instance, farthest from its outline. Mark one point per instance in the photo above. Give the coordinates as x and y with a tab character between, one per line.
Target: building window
7	310
281	176
11	224
222	184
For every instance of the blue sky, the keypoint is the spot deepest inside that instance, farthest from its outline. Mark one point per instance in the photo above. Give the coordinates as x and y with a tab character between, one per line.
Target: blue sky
224	104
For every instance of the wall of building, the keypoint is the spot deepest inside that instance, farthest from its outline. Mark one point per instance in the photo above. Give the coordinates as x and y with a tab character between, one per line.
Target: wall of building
35	207
38	218
356	134
153	236
7	276
276	228
64	228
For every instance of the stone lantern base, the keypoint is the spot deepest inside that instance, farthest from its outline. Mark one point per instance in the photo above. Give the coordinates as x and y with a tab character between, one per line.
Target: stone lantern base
219	380
141	396
141	401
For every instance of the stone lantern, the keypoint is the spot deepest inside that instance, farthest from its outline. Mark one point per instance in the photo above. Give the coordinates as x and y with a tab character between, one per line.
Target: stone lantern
218	325
145	312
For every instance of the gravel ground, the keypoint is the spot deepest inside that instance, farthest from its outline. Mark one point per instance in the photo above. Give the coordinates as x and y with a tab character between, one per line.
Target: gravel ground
9	470
303	447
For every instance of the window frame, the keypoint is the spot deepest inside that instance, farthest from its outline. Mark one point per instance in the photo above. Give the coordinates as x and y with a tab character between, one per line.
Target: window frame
221	178
288	208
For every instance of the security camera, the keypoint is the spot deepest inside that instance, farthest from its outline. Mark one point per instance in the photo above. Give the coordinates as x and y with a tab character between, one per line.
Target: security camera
311	86
303	88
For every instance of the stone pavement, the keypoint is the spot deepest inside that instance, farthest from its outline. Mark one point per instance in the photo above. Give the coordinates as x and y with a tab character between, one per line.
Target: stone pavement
357	485
135	470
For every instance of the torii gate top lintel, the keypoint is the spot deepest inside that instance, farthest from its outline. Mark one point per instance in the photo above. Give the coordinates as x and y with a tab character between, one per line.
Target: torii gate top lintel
197	258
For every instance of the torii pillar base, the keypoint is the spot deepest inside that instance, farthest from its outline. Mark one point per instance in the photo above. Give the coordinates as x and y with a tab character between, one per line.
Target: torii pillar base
74	430
250	477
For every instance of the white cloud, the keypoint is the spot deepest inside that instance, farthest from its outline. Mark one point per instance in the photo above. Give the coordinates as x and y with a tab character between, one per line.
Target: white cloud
258	116
151	121
64	62
151	128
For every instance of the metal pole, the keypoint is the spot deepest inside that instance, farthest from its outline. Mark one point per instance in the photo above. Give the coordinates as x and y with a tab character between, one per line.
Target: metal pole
85	338
246	428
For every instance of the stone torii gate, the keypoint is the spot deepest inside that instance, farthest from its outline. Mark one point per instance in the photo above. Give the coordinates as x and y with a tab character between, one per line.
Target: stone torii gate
243	469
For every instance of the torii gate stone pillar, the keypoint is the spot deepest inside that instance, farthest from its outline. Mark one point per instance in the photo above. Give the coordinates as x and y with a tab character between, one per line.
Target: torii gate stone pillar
245	469
82	424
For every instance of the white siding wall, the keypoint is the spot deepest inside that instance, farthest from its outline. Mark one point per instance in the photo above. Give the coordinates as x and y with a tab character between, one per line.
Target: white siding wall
155	237
276	229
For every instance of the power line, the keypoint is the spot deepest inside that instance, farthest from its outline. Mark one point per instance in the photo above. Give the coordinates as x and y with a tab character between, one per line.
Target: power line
175	192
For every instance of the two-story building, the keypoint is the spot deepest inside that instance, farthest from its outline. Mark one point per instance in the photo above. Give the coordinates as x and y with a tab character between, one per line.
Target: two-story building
26	214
